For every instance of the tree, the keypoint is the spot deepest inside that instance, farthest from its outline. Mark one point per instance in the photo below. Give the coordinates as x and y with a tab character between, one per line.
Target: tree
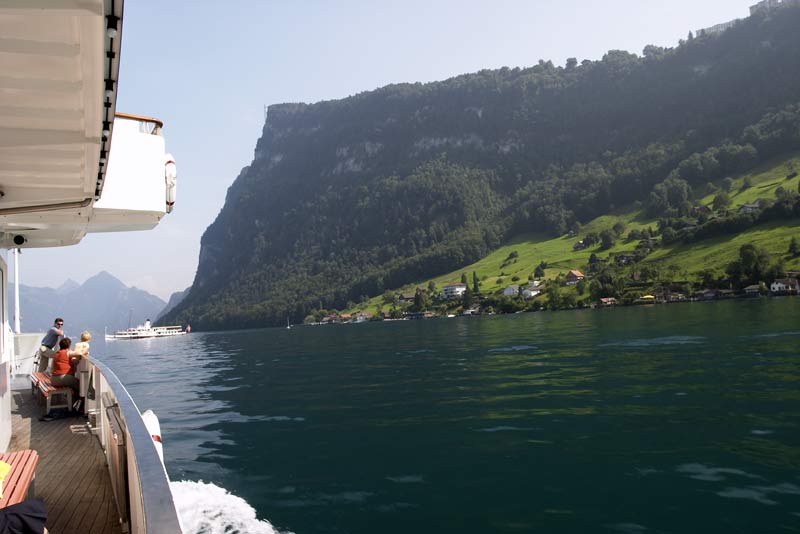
794	248
751	267
421	301
721	201
475	283
581	286
606	239
539	271
388	296
618	228
727	184
463	278
668	235
572	63
553	296
709	278
466	300
432	289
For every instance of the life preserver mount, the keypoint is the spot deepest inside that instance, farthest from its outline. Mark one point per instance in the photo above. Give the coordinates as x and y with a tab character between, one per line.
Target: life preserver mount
170	181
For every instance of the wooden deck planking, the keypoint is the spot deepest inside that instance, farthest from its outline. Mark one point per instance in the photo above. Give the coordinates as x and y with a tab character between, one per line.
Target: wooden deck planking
71	477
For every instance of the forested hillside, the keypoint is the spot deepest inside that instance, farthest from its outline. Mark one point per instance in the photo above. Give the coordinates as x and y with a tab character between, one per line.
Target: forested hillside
347	198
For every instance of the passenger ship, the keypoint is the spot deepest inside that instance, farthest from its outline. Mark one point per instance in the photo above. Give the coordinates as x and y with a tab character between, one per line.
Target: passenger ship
147	331
70	165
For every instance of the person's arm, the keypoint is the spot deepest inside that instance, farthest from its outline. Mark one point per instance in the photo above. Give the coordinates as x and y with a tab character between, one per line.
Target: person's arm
77	354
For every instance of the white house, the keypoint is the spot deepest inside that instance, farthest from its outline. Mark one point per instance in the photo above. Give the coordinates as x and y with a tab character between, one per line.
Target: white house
784	285
530	293
453	291
511	291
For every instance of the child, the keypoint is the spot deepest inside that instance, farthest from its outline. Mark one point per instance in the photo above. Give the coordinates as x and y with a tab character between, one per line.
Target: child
83	345
81	350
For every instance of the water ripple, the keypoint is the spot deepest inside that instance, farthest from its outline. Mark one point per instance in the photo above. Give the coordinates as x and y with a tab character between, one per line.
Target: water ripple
657	341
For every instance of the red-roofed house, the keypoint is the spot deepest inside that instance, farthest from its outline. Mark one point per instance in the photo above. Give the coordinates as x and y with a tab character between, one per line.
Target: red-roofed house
573	277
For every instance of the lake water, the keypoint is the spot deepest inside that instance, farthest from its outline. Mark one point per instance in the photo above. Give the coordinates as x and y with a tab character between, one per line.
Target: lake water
665	419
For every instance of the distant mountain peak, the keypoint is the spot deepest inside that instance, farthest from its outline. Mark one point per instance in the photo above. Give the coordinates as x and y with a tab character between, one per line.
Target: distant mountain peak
104	275
68	285
101	302
104	279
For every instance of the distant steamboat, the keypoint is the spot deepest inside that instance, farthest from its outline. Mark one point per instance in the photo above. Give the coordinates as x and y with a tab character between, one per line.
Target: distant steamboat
147	331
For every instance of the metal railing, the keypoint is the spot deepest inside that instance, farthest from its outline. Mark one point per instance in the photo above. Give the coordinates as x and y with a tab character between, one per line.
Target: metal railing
148	506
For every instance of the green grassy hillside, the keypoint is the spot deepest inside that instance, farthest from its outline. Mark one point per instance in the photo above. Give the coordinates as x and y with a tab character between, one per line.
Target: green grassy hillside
683	261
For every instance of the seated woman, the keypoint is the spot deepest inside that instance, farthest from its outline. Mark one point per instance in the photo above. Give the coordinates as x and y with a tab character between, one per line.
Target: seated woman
62	366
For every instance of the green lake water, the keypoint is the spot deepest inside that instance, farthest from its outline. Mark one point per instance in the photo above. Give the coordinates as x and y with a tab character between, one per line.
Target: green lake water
658	419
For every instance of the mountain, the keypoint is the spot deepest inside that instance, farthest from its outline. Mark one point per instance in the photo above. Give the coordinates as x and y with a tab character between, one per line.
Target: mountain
347	198
68	285
100	302
174	300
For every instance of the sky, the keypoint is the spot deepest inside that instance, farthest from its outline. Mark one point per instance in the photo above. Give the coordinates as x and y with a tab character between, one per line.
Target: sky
208	68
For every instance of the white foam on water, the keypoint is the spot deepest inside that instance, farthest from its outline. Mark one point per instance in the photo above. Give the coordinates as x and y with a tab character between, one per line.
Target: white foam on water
712	474
747	493
208	509
777	334
658	341
513	348
504	429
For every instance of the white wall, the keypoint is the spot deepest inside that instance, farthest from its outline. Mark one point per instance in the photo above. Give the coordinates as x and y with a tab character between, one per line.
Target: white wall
135	175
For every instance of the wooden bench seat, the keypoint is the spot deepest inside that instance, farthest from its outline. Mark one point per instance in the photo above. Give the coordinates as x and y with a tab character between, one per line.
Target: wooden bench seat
55	397
36	378
18	483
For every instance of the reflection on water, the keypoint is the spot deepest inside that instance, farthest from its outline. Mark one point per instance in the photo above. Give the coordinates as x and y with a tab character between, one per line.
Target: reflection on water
660	419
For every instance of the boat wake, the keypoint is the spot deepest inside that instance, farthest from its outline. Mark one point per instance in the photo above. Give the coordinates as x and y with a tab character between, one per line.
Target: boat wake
208	509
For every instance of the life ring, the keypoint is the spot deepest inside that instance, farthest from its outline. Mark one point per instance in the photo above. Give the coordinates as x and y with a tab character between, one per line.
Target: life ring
171	181
151	422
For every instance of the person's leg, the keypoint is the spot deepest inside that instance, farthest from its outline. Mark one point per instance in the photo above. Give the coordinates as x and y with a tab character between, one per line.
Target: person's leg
75	384
66	381
44	358
27	516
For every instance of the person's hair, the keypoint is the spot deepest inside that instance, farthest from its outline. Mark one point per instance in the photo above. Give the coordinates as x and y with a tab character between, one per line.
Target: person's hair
58	320
65	343
86	336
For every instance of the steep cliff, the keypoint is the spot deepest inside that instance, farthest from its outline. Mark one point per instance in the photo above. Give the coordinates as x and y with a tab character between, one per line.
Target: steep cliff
347	198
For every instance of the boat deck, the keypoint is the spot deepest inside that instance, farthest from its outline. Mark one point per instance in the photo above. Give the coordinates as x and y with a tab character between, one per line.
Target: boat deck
71	475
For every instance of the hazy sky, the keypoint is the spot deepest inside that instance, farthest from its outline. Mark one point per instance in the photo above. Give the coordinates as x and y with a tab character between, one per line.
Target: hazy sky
207	68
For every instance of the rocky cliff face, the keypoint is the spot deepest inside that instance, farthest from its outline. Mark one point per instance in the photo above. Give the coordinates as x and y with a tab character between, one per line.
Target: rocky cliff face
347	198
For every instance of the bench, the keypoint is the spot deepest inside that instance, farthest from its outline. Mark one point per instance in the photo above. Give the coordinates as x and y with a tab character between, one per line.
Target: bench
37	377
18	483
51	393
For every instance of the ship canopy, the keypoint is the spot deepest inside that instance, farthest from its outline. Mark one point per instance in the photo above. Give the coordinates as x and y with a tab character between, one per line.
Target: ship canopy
69	163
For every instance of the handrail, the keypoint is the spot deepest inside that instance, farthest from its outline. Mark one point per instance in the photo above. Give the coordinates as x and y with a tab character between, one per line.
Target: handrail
140	118
154	491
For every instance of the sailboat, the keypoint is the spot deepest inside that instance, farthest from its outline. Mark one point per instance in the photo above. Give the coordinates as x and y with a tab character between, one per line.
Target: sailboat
288	325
